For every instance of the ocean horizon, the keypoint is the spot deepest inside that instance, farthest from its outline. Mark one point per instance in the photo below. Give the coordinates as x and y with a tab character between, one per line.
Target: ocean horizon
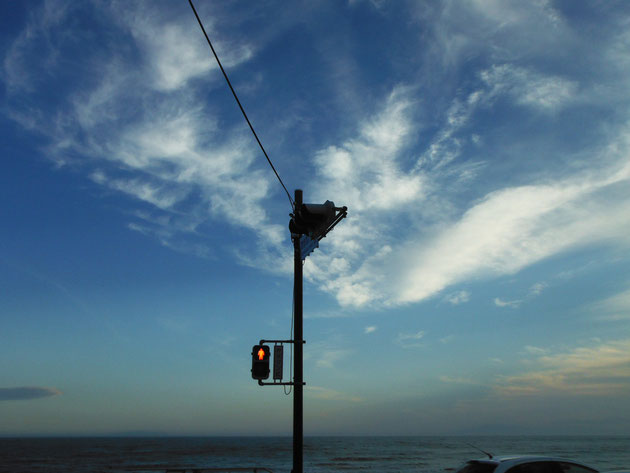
322	454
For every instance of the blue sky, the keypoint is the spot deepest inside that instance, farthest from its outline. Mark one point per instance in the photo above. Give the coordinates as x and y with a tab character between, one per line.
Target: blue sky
480	284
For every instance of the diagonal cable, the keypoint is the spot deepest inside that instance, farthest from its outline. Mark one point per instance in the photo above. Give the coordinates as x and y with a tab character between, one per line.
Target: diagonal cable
239	103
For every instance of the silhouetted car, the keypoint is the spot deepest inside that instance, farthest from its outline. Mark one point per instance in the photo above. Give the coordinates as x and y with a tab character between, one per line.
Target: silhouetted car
524	464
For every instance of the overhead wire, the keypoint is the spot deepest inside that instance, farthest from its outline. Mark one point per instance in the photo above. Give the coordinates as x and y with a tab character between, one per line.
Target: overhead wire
239	103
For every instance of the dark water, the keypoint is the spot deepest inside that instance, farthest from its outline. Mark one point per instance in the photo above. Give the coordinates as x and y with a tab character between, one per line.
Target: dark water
321	454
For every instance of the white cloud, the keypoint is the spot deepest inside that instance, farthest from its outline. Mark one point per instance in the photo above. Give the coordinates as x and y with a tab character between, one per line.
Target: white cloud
144	190
512	304
365	173
140	122
447	145
532	350
457	298
537	288
172	55
504	231
512	228
528	87
369	329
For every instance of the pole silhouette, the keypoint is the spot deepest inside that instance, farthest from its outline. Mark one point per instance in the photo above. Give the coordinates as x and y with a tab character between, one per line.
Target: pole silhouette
298	404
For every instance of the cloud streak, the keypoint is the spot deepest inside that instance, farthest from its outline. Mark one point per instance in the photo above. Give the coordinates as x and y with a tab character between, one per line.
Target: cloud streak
602	370
616	307
457	298
529	88
410	340
507	230
27	393
511	304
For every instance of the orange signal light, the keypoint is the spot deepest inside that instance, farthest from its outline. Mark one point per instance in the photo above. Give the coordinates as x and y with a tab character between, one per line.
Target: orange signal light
260	362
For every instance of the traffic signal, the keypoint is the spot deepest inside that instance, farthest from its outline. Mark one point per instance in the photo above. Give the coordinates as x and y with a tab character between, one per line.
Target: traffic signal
313	219
260	362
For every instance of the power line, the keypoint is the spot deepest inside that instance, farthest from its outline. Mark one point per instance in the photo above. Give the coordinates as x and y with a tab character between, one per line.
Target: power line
239	103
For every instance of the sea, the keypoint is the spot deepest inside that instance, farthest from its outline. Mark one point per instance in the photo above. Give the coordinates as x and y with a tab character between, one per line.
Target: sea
321	454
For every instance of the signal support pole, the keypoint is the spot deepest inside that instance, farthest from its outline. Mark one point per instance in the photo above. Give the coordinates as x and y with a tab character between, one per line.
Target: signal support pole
298	405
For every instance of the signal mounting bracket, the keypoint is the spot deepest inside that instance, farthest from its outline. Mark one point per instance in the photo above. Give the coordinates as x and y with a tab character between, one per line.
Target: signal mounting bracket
262	383
278	382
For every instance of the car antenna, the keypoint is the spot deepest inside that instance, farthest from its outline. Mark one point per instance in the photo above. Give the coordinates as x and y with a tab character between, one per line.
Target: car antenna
490	456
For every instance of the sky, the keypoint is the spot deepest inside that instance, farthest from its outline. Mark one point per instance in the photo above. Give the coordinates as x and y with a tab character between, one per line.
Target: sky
480	284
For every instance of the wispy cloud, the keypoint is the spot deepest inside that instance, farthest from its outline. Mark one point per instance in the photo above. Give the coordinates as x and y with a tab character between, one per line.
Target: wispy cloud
500	29
26	393
457	298
410	340
534	291
369	329
327	394
537	288
366	172
507	228
616	307
511	304
328	357
600	370
529	88
529	224
33	40
457	380
504	232
532	350
138	126
174	56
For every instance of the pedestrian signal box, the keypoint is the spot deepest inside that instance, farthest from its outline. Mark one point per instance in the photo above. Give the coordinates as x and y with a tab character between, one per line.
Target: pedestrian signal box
260	362
278	358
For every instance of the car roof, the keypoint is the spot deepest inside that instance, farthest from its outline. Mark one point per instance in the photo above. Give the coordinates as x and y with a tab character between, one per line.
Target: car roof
520	458
507	461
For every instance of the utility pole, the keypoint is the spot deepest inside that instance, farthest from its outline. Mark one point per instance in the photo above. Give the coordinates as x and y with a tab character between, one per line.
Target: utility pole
308	225
298	387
